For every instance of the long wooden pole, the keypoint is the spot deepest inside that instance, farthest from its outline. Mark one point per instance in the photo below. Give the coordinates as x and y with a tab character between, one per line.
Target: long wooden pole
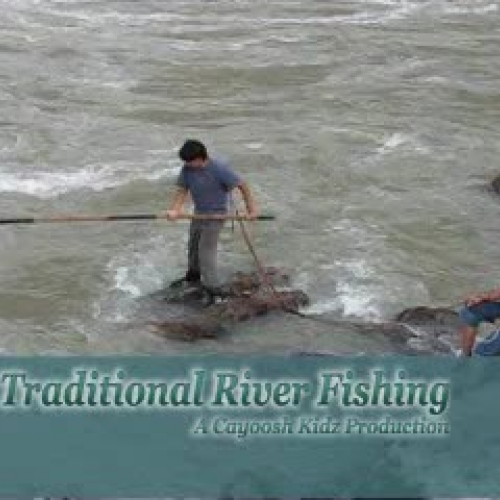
125	217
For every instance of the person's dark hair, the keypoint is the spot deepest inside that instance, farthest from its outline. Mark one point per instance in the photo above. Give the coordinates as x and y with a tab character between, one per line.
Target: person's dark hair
191	150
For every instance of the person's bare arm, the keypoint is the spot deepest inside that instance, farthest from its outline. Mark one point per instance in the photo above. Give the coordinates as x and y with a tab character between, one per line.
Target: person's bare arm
177	204
249	200
493	296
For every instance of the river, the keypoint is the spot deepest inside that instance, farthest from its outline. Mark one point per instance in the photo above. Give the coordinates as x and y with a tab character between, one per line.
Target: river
370	128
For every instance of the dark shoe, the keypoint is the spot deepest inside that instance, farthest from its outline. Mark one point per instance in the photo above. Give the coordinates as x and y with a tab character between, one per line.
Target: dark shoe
191	277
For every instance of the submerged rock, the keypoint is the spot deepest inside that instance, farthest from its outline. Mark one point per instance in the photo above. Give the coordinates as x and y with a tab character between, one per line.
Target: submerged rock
417	330
495	184
395	337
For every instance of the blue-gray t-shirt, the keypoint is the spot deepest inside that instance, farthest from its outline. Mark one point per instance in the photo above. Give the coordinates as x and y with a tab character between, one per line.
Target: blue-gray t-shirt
209	186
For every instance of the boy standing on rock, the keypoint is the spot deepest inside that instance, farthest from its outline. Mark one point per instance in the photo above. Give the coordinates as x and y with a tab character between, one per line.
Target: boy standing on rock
209	182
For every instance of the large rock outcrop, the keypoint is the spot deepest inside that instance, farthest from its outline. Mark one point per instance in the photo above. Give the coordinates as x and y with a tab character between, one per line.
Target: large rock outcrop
181	314
247	298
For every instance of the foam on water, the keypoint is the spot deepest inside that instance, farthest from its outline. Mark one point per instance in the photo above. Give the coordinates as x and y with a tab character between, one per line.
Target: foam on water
358	301
254	145
399	139
361	18
124	283
177	22
351	302
469	7
400	9
139	269
134	272
368	12
361	289
351	296
89	18
93	177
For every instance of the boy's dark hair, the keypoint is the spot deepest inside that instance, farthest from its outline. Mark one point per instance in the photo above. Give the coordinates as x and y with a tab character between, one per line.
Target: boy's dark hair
191	150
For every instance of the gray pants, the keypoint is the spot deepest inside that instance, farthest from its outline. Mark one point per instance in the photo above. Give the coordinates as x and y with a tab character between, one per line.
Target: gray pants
202	250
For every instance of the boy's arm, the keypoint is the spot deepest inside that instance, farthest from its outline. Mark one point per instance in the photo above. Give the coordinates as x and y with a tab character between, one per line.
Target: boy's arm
177	204
248	198
232	181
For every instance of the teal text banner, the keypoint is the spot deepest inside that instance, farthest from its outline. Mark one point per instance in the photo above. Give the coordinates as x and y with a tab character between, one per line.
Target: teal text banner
219	427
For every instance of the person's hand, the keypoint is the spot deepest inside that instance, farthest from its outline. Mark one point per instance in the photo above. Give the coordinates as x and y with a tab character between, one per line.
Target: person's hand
172	214
476	299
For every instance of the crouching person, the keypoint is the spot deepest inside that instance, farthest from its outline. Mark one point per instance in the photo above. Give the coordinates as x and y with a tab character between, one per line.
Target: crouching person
484	308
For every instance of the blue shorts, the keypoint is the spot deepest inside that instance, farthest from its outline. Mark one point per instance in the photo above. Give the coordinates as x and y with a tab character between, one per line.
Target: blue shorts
484	312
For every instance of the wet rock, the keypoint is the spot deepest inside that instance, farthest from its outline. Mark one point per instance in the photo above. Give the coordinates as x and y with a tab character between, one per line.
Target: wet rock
244	283
428	315
247	298
435	328
215	319
244	308
495	184
187	331
433	321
